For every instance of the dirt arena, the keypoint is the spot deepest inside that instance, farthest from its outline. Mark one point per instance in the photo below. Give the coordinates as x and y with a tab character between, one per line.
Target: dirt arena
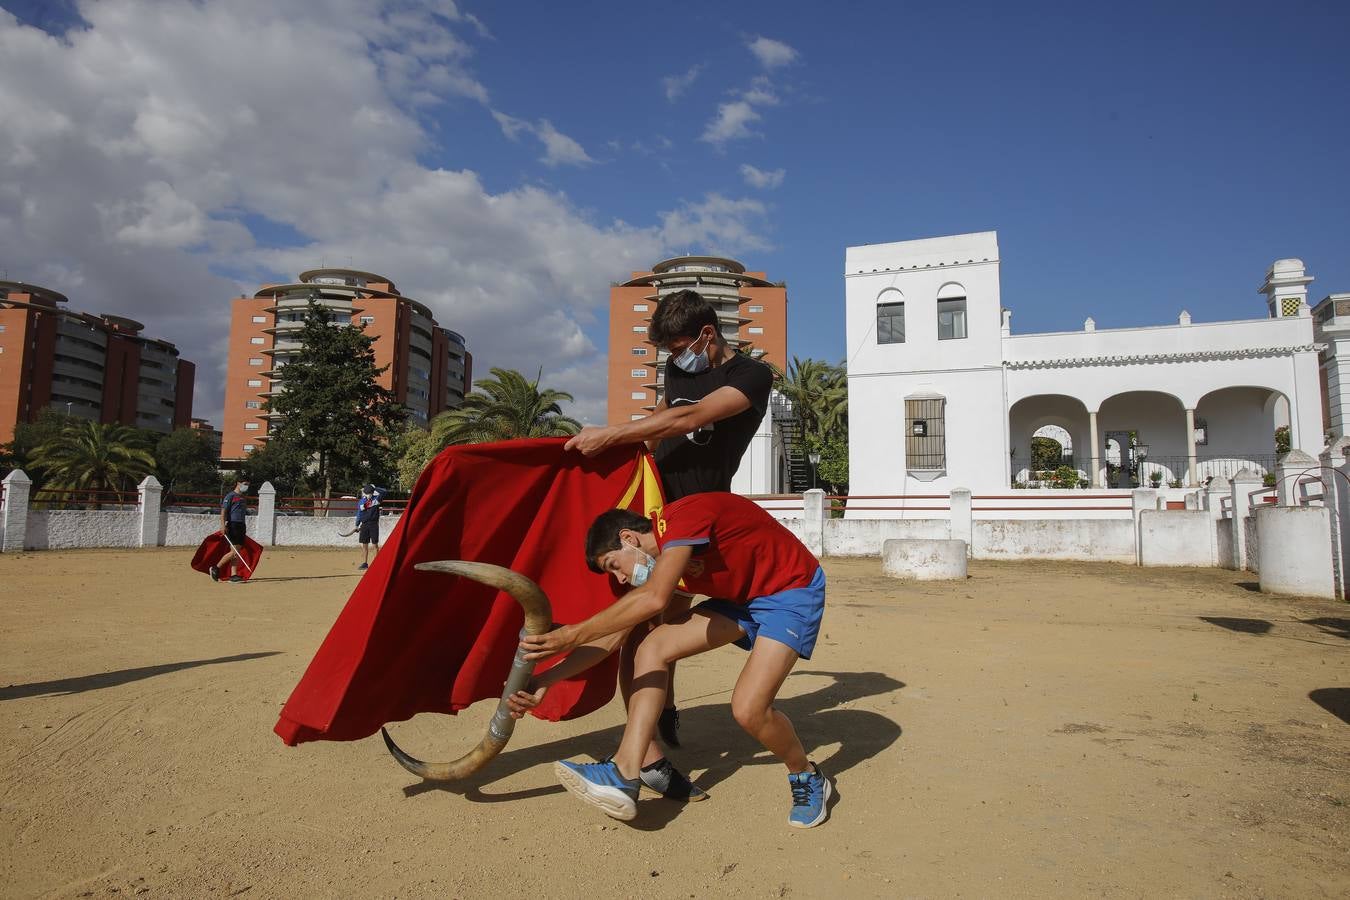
1040	730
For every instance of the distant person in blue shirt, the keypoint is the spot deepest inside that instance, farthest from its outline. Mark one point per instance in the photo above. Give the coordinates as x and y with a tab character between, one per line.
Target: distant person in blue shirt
233	515
368	522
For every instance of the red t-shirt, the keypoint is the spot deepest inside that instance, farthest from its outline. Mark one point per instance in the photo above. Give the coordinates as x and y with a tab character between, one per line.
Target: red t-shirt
741	553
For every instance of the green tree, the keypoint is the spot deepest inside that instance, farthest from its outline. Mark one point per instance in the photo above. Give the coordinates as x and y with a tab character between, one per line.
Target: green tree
415	448
28	436
335	411
504	407
282	465
1046	453
186	462
92	456
818	393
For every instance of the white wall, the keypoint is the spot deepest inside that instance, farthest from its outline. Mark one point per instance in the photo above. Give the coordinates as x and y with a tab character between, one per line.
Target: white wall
758	467
1110	540
65	529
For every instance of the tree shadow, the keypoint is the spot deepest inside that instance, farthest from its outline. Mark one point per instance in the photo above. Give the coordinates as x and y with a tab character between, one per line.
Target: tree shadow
1253	586
711	739
1330	625
82	683
1246	626
1334	700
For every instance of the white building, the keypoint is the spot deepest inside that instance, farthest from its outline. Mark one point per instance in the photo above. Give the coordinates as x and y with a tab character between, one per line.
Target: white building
942	394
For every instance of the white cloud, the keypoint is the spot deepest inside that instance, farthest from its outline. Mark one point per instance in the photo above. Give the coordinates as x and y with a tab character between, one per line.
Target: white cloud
675	85
144	150
770	53
731	123
759	178
559	149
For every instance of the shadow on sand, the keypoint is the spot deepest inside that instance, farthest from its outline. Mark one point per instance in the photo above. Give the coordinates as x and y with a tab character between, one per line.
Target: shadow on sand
711	739
82	683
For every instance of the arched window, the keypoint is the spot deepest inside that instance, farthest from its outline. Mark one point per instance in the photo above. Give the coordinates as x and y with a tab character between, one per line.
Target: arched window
890	317
951	312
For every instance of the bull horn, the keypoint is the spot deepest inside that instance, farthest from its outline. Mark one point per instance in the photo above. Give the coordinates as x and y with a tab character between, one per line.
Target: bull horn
538	620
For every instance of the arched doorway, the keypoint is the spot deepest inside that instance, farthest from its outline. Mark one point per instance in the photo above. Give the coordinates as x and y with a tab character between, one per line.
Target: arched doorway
1036	425
1144	433
1235	429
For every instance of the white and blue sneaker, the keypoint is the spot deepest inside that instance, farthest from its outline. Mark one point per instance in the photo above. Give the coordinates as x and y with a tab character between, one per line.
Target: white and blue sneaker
810	797
600	784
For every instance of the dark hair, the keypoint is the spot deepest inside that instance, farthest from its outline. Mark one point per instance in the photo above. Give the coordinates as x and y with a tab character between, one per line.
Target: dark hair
603	535
681	314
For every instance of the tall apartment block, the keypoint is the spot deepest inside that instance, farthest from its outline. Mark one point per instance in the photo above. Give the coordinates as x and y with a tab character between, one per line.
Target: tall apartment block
430	370
751	310
95	367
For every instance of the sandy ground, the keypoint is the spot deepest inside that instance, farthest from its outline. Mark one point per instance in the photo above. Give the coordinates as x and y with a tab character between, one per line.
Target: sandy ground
1040	730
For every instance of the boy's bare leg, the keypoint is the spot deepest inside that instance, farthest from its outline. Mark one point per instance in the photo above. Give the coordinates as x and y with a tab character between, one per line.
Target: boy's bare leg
626	654
698	633
752	702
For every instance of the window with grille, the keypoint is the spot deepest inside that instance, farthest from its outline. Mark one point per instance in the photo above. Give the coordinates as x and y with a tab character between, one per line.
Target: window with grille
257	320
248	448
755	309
255	361
890	323
639	307
639	351
638	395
252	404
257	340
951	319
251	426
756	330
367	320
638	373
640	329
255	382
925	433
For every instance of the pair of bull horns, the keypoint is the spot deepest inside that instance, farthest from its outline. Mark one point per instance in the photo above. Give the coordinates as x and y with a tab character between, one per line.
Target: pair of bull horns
538	620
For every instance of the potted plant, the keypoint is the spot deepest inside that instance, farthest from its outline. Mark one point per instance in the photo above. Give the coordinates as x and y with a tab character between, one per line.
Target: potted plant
1155	479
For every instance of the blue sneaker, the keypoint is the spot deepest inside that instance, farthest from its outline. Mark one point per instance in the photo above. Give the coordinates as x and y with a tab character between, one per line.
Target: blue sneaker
810	796
600	784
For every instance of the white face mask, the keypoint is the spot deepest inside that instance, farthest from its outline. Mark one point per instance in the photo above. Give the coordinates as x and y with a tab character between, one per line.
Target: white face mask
643	570
692	362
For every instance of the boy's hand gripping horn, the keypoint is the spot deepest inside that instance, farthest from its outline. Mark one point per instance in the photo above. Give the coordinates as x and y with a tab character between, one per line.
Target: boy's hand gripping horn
538	620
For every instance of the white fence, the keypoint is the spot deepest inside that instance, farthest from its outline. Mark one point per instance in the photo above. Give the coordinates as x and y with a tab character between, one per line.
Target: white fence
1238	525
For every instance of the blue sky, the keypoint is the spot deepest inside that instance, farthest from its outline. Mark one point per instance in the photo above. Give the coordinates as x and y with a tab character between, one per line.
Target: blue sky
1134	159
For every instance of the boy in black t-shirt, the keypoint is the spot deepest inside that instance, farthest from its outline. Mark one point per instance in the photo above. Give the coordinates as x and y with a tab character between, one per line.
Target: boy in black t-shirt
714	400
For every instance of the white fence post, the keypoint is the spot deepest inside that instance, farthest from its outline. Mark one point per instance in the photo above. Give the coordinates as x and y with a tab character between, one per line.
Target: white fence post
1213	495
1287	469
1244	482
962	524
17	488
1336	494
813	521
266	523
1140	500
151	494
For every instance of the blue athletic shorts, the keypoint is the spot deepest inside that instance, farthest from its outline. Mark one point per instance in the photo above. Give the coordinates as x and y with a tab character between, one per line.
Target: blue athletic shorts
790	617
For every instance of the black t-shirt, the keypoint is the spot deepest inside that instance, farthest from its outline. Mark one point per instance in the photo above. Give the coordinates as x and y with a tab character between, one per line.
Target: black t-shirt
706	459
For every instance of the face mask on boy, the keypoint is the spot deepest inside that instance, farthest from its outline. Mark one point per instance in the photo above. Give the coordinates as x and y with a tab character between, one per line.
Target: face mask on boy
692	362
643	570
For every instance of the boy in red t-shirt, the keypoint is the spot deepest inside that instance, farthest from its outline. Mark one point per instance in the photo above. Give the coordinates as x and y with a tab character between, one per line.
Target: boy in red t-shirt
773	591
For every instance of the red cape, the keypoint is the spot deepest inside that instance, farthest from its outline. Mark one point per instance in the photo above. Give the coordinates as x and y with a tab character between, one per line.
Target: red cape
215	546
409	642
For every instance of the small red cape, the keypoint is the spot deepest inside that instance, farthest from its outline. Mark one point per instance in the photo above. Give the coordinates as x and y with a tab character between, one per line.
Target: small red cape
409	642
215	546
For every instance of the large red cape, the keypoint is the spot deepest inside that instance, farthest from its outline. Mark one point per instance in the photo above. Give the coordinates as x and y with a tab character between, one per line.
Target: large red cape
216	545
409	642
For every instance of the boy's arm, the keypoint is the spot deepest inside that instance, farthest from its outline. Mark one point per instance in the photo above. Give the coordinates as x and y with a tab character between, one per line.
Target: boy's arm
638	605
722	403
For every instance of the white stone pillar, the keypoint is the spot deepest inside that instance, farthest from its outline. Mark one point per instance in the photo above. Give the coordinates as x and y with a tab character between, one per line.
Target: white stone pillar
1244	482
266	524
1294	547
1140	500
15	512
1096	449
813	521
1190	448
1192	499
1287	470
1213	495
1336	481
962	521
151	494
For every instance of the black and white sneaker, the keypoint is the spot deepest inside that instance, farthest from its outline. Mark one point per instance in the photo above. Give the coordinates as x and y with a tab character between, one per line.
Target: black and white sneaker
668	726
663	778
214	573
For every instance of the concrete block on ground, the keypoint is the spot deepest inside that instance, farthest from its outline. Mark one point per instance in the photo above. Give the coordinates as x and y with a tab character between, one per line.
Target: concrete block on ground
1294	551
924	560
1176	537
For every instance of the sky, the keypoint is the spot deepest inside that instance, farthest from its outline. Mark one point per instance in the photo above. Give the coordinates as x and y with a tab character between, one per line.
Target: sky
505	162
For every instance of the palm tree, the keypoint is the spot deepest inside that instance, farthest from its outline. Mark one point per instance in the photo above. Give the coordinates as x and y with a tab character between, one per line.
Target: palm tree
504	407
93	456
818	392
